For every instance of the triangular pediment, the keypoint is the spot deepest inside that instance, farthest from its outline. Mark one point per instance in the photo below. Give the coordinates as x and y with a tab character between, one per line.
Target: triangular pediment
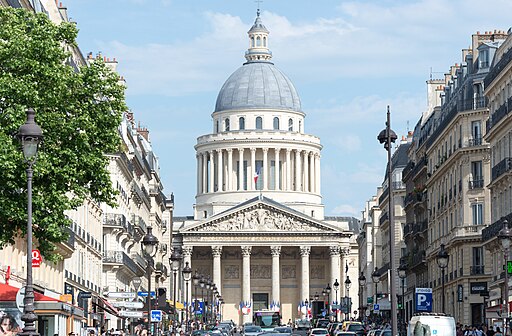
261	215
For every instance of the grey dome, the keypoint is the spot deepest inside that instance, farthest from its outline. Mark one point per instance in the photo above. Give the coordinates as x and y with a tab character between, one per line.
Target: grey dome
258	85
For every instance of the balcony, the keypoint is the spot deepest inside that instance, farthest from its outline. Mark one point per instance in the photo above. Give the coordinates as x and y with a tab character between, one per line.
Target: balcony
384	195
122	259
476	270
492	230
500	113
115	220
139	224
501	168
468	231
477	183
139	260
418	258
408	229
475	142
383	218
497	68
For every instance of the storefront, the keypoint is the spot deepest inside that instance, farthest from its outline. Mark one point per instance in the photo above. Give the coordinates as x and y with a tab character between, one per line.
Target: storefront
54	317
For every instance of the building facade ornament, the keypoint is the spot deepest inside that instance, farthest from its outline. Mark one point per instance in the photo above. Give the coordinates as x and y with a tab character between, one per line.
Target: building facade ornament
216	251
305	251
275	250
246	250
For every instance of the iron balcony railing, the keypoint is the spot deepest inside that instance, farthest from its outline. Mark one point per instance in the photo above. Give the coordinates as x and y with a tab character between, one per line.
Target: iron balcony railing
492	230
383	218
476	269
477	183
502	167
498	67
121	258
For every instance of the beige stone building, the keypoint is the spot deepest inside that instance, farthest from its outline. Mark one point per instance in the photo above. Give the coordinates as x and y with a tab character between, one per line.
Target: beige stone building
499	135
259	229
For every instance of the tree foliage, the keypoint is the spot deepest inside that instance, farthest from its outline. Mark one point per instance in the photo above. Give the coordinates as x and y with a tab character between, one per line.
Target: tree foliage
79	112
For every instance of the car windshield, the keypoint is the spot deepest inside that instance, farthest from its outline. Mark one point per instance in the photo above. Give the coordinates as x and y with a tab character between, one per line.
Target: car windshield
319	332
355	327
283	330
252	329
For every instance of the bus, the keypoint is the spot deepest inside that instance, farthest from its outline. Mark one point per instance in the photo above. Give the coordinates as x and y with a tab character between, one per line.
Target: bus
266	319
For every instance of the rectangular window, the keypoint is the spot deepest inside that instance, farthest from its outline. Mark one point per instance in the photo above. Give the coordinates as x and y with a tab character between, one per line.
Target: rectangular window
477	211
476	132
476	170
259	171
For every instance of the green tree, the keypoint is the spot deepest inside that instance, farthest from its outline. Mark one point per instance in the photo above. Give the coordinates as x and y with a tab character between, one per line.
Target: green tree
79	111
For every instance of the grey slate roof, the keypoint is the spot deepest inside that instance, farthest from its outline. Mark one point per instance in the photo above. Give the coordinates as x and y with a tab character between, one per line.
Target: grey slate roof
258	85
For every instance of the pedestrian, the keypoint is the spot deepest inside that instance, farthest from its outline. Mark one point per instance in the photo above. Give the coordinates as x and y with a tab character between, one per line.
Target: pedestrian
498	332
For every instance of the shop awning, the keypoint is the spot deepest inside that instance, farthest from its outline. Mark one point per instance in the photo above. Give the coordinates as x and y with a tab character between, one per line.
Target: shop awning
8	293
495	312
107	306
179	305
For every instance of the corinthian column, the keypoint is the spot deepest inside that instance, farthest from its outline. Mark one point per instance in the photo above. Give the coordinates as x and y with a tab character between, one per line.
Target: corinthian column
240	169
229	175
265	168
198	178
276	283
306	172
246	278
317	170
212	170
298	172
220	170
304	256
288	178
253	168
187	258
205	170
276	169
334	252
217	278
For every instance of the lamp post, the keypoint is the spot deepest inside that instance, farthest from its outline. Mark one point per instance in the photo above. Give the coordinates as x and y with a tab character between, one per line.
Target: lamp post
375	279
505	236
387	137
328	292
442	262
175	260
149	244
195	282
362	284
402	274
30	136
202	283
348	283
221	302
336	286
186	272
208	285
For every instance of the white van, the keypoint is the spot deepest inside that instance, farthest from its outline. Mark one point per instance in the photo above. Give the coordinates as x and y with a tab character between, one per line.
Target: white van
431	325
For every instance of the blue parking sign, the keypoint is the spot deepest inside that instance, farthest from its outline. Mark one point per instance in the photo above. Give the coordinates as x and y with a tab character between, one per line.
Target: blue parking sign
423	298
156	316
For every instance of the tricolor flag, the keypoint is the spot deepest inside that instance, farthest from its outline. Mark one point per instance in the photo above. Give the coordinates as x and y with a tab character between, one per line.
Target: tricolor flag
257	174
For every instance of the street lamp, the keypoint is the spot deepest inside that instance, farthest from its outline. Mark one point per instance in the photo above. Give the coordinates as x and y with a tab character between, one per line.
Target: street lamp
362	284
402	274
175	260
348	283
375	279
442	262
202	283
195	282
317	296
187	273
328	292
387	137
149	244
221	302
336	286
505	236
30	135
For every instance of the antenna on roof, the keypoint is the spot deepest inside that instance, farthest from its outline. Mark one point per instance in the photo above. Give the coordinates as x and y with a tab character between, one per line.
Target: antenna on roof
258	2
407	126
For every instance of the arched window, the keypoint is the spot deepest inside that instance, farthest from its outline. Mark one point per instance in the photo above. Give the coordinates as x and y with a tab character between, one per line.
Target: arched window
226	124
216	126
290	124
259	123
300	126
258	41
241	123
205	214
252	41
264	41
276	123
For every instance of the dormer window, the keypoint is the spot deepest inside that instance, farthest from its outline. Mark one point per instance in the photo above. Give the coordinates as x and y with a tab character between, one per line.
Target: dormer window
276	123
226	125
483	55
259	123
241	123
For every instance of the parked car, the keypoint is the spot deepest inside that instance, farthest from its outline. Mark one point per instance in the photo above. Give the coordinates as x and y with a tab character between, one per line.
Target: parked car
374	332
346	333
322	323
283	330
335	327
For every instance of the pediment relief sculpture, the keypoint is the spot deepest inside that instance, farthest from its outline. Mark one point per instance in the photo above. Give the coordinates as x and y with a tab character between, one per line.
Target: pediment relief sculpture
260	219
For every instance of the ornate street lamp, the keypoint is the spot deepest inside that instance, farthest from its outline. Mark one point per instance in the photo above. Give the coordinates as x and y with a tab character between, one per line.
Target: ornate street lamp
195	282
149	244
187	273
376	279
348	283
362	284
202	284
30	135
402	274
505	236
175	260
387	137
442	262
336	286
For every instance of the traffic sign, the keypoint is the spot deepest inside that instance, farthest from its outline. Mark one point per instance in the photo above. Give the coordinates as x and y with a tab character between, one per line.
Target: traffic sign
121	295
128	304
131	313
156	316
376	307
423	298
37	259
146	294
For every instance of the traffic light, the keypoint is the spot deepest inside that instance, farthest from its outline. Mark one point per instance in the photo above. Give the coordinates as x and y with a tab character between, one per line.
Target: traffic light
162	297
400	303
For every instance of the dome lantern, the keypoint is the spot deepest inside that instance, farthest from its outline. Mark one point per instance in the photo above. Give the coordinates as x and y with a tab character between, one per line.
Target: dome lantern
258	42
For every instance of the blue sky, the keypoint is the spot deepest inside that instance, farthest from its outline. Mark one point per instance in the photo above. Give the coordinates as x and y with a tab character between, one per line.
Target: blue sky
347	59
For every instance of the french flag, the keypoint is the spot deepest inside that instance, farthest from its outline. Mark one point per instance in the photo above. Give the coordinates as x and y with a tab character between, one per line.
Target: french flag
257	174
